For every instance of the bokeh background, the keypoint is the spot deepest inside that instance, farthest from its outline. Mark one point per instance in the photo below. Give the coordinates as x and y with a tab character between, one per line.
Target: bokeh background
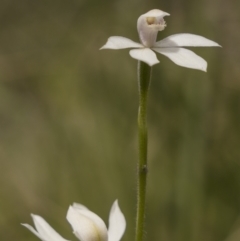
68	119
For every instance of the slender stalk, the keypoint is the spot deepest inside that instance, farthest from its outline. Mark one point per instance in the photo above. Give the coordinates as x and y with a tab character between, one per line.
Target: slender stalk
144	76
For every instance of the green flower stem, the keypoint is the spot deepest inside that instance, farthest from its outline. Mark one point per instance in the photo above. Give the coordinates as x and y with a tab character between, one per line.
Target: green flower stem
144	76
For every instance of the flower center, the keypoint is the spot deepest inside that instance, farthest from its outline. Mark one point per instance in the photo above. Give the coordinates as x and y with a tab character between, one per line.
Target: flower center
150	20
157	24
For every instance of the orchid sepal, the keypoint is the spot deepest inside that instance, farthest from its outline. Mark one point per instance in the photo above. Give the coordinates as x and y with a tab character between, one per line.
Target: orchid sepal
43	230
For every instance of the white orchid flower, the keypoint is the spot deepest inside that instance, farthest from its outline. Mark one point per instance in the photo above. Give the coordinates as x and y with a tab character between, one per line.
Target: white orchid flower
87	226
43	230
148	26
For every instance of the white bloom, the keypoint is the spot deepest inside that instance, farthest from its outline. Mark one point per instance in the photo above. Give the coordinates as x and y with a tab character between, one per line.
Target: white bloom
87	226
43	230
148	26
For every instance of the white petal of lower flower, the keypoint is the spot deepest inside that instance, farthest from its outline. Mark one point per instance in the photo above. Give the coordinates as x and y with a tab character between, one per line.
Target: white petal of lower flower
184	57
118	42
44	231
98	222
146	55
80	206
33	231
117	223
87	226
186	39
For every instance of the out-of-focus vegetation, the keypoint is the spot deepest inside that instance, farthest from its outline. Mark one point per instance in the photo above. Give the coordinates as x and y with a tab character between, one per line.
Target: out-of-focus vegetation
68	119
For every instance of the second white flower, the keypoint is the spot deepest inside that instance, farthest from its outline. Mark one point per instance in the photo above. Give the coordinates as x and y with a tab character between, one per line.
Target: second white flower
87	226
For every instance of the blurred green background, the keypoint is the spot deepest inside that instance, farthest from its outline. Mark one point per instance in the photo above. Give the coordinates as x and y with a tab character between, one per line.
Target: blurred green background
68	119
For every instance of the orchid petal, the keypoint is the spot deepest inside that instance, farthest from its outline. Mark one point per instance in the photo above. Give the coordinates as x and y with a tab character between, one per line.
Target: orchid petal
33	231
44	231
184	57
117	223
87	226
185	39
82	210
157	13
149	24
146	55
118	42
80	206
